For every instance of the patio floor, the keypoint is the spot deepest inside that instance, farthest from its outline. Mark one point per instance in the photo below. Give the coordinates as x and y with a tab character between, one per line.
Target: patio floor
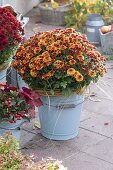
92	149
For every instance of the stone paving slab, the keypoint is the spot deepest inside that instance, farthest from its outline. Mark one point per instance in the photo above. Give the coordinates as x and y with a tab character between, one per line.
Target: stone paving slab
86	114
62	150
102	150
103	107
84	140
83	161
102	124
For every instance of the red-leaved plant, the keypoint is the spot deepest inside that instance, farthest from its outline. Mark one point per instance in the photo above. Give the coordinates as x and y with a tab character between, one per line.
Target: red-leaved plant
17	104
11	33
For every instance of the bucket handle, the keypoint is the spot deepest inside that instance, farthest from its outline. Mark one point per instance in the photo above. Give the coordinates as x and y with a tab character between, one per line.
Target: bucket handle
65	106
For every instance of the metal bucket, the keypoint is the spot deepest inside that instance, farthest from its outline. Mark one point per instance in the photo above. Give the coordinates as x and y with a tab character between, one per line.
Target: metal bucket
60	116
93	24
3	75
13	127
21	83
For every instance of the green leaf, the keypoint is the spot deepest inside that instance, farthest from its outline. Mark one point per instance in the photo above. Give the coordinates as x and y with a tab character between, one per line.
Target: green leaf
52	92
63	84
67	92
56	85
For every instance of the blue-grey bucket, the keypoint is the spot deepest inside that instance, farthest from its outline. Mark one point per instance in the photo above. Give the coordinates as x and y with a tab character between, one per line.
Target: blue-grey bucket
60	116
14	128
93	24
3	76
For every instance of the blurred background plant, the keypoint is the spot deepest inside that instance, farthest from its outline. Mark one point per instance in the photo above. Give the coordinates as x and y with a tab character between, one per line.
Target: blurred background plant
82	8
104	8
55	3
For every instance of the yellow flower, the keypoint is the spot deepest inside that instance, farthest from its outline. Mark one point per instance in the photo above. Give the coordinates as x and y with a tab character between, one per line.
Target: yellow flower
22	71
31	65
38	59
58	64
65	40
46	53
42	43
76	73
69	57
48	75
72	62
72	45
79	77
80	46
47	64
102	73
92	73
49	48
28	56
39	66
80	57
47	59
69	30
33	73
63	47
15	64
25	62
71	71
36	50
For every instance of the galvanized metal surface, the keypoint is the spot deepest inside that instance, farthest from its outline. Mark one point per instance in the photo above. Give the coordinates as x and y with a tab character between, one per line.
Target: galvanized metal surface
93	24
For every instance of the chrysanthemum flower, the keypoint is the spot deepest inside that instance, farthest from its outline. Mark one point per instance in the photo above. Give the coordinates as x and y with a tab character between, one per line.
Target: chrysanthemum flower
72	62
33	73
58	64
79	77
71	71
92	73
47	59
80	57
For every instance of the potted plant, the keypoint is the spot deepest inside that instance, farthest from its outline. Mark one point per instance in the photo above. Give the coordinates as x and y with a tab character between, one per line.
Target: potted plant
12	158
11	34
57	64
16	105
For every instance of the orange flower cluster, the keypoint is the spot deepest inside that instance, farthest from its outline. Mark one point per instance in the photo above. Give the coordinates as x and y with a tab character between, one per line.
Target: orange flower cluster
59	59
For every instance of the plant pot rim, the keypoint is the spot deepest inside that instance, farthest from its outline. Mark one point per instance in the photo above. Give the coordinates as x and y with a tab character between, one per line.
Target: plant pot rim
58	92
43	7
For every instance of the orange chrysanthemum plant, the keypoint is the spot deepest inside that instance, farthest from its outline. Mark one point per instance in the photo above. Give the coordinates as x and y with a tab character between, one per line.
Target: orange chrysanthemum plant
59	60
